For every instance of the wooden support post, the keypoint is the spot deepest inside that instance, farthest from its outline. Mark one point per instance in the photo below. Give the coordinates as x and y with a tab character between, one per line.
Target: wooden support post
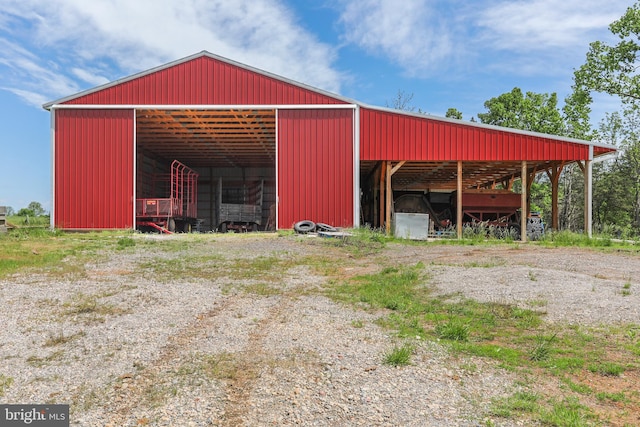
389	197
554	177
588	196
383	170
459	201
523	202
530	178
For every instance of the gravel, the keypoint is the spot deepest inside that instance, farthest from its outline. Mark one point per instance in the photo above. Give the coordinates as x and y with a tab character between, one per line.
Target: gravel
193	350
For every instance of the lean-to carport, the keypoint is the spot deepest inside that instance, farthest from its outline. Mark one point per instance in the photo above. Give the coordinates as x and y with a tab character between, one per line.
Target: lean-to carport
412	152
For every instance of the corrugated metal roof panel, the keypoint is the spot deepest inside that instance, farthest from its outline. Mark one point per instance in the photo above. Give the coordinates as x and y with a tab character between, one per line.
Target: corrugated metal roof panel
388	135
203	79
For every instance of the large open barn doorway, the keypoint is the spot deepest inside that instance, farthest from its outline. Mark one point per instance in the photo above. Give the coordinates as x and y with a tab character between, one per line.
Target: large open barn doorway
233	152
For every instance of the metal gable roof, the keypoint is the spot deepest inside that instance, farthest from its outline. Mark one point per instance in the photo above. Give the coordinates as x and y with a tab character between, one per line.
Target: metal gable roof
201	54
600	148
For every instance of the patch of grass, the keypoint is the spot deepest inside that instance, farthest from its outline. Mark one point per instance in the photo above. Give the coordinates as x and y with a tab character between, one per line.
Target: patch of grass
44	250
157	394
572	239
525	318
626	289
568	412
39	362
362	241
516	404
5	383
578	388
619	396
566	364
357	324
221	366
393	288
90	308
453	330
532	276
607	369
125	242
398	356
61	338
262	289
542	350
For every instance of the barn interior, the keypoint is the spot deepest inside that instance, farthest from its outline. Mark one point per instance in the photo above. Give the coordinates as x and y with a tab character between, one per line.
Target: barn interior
233	151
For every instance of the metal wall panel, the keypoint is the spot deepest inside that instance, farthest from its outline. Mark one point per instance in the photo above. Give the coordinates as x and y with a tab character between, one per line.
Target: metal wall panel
388	135
205	80
315	167
93	169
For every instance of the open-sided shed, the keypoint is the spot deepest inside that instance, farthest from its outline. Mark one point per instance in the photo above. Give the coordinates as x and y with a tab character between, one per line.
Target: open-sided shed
318	154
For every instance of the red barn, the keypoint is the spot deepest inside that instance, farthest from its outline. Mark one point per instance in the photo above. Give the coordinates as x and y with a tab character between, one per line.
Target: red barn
320	156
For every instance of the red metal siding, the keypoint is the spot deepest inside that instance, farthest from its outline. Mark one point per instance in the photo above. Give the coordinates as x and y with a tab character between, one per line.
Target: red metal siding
390	136
315	167
204	80
93	169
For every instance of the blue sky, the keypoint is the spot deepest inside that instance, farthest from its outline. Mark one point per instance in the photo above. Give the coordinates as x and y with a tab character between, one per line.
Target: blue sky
447	53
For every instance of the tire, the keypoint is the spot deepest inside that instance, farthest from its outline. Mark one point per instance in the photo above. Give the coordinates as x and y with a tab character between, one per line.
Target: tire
514	231
223	227
304	227
171	225
254	227
186	227
325	227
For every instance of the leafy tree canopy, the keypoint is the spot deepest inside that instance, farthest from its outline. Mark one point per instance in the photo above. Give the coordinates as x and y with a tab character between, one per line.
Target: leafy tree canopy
613	69
34	209
537	112
453	113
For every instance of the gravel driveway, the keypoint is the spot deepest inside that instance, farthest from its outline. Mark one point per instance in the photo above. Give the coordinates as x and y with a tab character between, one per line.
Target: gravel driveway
127	344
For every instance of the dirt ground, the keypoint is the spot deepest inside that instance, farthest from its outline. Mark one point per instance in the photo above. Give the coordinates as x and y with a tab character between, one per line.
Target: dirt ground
146	336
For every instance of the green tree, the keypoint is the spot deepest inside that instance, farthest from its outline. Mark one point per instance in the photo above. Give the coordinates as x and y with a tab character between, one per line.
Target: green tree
613	69
36	208
536	112
25	212
453	113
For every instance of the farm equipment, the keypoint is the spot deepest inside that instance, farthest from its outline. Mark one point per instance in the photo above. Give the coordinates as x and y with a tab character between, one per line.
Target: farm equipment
179	211
498	208
495	208
240	208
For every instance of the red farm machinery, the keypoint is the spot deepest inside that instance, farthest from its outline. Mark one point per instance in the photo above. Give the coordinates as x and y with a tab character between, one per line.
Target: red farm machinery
179	211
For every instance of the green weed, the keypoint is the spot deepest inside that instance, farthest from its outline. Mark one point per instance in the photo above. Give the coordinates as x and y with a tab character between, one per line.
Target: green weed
542	349
5	383
608	369
568	412
399	356
516	404
612	397
453	330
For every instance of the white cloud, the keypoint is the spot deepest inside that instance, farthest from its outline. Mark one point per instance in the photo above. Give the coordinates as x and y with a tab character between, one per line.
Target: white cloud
546	24
89	76
410	32
92	41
